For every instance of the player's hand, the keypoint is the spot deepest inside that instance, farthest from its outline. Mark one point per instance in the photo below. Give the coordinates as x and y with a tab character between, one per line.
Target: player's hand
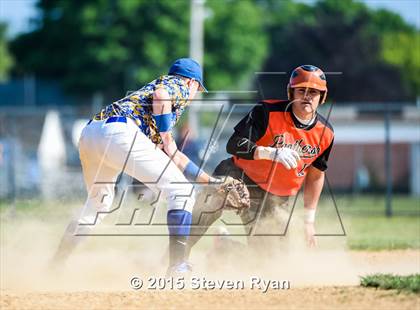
310	235
287	157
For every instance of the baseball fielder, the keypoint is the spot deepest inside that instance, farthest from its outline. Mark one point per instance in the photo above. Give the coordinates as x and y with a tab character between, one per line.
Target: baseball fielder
134	135
276	148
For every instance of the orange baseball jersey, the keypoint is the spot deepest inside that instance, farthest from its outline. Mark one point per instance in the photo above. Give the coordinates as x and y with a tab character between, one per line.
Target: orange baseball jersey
272	123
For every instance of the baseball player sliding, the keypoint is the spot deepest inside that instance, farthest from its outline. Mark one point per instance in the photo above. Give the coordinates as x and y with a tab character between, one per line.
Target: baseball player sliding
276	148
134	135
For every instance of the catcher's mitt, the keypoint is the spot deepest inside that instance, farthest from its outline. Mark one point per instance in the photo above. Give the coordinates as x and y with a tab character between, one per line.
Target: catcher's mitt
234	192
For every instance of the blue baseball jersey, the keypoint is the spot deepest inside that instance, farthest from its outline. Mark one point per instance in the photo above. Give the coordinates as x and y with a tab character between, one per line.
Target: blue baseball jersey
138	105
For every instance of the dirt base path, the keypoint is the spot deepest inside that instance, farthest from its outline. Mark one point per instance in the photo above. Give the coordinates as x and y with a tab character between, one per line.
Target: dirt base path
100	280
300	298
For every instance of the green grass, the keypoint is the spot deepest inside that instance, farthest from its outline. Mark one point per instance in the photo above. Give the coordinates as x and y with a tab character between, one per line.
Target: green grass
365	223
381	233
37	209
409	283
370	205
369	229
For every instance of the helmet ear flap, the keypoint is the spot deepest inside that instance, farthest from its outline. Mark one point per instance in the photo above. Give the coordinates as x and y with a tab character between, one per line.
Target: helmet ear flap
324	97
289	92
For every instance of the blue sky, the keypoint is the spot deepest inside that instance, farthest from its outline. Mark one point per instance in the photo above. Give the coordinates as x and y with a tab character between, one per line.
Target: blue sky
16	13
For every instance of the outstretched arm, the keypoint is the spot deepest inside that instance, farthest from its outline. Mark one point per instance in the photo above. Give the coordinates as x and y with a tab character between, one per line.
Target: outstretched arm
162	110
314	183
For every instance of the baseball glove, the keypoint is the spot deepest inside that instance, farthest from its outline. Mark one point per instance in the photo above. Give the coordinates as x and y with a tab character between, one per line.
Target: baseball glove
235	194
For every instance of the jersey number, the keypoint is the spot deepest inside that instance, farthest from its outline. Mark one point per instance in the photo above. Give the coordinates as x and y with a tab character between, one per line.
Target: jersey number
301	172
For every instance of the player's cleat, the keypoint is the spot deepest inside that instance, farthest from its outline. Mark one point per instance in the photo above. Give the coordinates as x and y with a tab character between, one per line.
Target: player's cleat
180	270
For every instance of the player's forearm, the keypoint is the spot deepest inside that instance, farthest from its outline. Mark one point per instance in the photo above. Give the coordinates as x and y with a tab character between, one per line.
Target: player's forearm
189	168
314	183
179	159
241	147
171	149
312	193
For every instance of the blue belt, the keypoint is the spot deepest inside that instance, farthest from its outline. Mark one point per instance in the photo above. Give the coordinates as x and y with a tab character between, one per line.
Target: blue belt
119	119
113	119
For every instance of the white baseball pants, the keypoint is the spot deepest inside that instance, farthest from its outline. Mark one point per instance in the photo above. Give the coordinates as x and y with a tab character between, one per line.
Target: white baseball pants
107	149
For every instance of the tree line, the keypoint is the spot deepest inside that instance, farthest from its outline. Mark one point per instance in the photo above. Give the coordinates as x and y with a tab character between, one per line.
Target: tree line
112	46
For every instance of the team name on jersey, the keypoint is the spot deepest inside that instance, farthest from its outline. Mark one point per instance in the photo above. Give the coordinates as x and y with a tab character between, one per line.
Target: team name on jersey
304	150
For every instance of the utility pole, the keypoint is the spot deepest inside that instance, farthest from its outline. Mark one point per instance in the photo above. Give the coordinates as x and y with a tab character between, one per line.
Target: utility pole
196	53
388	162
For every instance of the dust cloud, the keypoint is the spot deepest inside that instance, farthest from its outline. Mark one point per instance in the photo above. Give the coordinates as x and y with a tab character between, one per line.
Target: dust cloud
107	263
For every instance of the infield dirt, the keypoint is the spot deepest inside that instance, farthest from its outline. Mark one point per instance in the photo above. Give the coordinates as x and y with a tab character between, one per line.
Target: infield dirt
337	297
98	275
